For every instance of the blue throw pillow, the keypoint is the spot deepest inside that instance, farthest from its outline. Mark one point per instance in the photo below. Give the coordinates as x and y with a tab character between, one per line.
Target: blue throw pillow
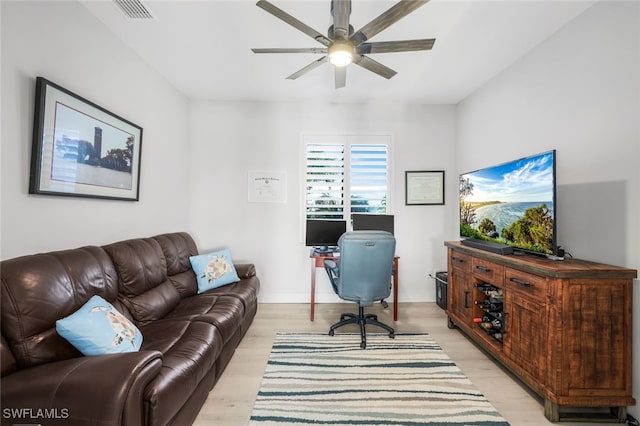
214	270
97	328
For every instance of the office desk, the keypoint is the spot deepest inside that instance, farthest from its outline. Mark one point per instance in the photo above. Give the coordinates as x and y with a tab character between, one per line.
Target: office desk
317	261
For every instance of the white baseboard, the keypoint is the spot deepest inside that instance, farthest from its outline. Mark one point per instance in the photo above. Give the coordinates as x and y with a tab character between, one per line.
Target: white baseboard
302	298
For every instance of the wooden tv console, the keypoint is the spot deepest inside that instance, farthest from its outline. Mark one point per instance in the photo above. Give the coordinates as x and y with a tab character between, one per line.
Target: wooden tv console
563	327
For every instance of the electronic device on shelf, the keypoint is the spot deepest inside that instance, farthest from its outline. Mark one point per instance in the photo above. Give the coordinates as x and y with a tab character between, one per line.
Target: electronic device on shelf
323	234
511	207
488	246
372	222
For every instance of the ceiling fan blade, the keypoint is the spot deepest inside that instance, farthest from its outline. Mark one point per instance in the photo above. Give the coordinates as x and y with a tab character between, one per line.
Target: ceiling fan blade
396	46
311	66
291	50
391	16
374	66
341	9
281	14
341	77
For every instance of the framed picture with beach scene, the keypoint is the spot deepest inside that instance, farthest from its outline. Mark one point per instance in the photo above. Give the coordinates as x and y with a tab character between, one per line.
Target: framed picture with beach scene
80	149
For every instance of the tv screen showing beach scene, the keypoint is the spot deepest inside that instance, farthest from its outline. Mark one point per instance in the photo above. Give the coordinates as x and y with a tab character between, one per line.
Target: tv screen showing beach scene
511	203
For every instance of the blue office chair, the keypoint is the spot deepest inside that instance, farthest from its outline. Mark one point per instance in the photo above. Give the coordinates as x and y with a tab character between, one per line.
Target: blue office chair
363	275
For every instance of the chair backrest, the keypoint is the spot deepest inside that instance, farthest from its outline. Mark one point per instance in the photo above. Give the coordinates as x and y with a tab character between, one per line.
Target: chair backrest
366	264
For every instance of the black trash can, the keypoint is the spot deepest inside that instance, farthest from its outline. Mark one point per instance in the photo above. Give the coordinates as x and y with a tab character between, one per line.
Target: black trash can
441	289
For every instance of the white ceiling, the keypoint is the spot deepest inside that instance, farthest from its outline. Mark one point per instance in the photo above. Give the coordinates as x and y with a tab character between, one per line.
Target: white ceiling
203	47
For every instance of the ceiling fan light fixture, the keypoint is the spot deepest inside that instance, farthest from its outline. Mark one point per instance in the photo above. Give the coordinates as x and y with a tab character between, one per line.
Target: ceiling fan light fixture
342	46
341	53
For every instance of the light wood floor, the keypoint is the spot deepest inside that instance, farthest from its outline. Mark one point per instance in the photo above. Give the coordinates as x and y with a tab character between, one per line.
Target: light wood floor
231	401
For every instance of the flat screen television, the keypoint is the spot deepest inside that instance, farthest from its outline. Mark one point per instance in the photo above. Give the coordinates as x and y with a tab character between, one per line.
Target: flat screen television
324	234
512	204
372	222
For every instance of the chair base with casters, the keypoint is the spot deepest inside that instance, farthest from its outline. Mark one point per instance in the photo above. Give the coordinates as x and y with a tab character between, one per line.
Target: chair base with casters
362	320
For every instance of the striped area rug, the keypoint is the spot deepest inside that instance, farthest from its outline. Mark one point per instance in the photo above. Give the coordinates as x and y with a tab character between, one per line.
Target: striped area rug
316	379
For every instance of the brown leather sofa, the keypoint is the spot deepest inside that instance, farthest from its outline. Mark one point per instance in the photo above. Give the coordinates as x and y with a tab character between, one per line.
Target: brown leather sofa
188	338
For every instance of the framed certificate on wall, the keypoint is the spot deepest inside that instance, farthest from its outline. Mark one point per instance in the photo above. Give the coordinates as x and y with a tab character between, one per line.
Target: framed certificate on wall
267	187
424	187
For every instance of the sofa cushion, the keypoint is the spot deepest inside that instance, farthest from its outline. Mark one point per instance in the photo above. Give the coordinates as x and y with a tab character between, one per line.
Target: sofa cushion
177	248
143	283
39	289
97	328
246	291
225	312
214	270
190	349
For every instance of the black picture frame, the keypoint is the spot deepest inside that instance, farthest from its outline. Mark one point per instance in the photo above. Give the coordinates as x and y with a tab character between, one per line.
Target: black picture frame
424	187
80	149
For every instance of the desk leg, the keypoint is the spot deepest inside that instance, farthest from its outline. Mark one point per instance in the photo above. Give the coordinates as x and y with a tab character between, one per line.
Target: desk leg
395	290
313	288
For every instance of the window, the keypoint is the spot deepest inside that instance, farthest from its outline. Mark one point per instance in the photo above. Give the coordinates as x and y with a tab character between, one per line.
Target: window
346	174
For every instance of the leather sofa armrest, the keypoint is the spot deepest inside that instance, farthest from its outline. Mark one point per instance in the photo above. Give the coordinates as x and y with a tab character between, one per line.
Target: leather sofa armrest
98	390
245	270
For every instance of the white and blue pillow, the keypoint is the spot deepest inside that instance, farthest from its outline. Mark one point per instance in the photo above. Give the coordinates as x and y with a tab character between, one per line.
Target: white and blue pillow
214	270
97	328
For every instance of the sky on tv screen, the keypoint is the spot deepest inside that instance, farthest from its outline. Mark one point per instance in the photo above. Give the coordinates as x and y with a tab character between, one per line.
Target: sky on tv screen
527	180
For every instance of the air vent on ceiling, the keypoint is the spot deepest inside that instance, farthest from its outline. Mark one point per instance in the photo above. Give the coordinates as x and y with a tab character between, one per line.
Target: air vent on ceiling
134	9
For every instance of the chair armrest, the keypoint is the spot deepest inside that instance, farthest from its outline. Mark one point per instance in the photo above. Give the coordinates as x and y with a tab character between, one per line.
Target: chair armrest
333	271
245	270
100	390
332	268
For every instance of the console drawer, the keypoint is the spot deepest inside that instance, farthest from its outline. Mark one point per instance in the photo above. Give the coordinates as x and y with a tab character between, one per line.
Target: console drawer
460	261
487	271
525	282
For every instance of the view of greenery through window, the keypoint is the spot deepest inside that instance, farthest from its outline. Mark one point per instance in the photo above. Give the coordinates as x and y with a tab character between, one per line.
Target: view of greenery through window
346	178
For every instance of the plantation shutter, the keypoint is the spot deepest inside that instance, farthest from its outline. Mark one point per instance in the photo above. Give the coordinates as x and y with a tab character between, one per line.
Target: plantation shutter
325	181
369	178
346	174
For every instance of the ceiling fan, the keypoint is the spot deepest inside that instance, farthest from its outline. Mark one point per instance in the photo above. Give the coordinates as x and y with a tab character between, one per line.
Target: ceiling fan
343	46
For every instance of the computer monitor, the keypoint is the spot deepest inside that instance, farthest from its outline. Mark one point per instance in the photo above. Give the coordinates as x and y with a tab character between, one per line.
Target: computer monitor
373	222
324	233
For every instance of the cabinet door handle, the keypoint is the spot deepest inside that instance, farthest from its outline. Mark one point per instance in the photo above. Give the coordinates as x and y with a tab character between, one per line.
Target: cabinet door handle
521	282
483	268
457	259
466	299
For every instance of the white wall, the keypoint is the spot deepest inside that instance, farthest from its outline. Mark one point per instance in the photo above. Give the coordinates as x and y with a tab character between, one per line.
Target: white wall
229	139
63	42
578	92
582	99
